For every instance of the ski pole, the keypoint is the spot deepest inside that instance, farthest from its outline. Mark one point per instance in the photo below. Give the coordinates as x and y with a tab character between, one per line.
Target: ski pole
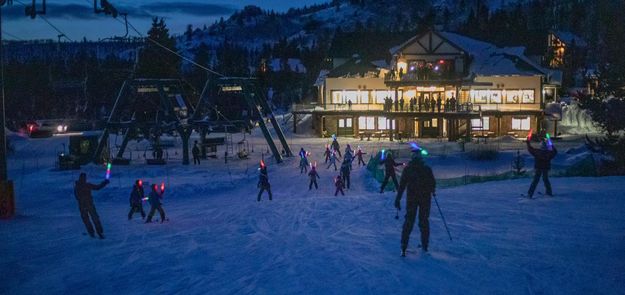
397	214
442	217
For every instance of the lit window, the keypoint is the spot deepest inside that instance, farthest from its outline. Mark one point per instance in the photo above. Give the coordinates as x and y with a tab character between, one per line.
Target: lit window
480	124
495	96
366	123
513	96
521	123
384	124
528	96
337	97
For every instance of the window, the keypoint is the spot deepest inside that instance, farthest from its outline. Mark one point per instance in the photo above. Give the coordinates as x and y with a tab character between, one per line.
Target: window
350	95
495	96
337	97
528	96
480	124
345	123
479	96
366	123
384	124
381	94
364	97
520	123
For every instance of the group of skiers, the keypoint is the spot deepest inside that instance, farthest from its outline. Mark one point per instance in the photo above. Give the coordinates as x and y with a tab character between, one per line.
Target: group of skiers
417	180
89	215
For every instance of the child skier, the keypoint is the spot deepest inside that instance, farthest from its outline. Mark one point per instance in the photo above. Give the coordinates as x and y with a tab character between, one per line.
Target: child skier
136	197
155	198
332	160
263	181
336	146
338	182
313	177
389	170
346	168
359	154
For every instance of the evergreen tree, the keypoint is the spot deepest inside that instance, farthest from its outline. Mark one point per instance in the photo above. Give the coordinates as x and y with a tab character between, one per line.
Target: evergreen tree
154	60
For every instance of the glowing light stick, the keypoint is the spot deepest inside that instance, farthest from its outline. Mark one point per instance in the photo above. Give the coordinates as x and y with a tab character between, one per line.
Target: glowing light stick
334	136
162	187
140	182
262	164
383	155
424	152
549	143
315	164
529	135
108	171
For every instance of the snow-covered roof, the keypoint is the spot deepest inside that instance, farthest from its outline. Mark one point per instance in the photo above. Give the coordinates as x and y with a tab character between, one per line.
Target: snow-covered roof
322	77
488	59
570	38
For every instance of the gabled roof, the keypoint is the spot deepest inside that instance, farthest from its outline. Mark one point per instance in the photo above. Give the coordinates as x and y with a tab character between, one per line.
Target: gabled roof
570	38
353	67
487	59
398	48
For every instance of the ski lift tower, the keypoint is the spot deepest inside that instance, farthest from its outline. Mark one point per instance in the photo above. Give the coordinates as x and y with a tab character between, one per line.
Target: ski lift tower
148	108
231	104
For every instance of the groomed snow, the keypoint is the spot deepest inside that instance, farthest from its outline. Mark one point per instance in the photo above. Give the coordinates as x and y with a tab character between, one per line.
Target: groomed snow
219	240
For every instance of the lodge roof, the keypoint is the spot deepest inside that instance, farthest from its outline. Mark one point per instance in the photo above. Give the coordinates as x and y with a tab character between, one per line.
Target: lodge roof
355	67
569	38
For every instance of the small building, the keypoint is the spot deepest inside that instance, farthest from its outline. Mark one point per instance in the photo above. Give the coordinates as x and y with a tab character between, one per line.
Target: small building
563	45
438	84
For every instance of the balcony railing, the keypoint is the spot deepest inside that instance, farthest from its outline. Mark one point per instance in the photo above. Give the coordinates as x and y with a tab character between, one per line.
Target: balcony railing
416	76
444	108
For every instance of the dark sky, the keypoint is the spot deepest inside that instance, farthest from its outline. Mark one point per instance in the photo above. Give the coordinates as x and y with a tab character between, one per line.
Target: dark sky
77	20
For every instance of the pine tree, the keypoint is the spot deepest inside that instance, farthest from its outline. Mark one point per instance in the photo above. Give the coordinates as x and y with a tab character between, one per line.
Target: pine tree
518	163
154	60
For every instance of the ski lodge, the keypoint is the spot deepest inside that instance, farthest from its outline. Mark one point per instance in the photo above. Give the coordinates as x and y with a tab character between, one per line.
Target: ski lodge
438	84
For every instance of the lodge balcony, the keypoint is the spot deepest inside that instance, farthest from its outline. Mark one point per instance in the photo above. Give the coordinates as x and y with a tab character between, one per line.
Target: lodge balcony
416	78
460	110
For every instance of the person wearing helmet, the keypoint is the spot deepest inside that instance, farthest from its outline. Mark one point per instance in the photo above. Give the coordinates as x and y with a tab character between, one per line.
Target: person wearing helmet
136	198
419	183
263	182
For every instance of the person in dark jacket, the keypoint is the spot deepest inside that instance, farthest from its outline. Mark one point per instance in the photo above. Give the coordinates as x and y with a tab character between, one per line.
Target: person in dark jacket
338	183
346	168
263	182
82	192
303	162
542	165
136	199
313	177
389	170
418	180
359	154
332	160
155	198
195	151
336	146
327	153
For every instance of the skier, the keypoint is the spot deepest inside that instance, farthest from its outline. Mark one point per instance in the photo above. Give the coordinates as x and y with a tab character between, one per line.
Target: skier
359	154
542	165
336	146
338	182
196	154
155	198
136	196
389	169
332	160
419	181
346	168
263	181
327	153
313	177
82	192
303	162
349	154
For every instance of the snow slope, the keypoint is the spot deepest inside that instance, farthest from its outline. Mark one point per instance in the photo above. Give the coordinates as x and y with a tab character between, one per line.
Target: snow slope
219	240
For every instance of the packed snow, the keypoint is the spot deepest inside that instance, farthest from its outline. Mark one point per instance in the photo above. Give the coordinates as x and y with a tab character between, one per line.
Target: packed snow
220	240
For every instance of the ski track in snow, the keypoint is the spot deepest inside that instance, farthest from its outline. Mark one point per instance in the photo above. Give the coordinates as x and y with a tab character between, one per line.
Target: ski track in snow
219	240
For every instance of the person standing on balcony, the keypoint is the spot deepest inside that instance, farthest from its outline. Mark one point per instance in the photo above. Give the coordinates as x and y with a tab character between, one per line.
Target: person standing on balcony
439	103
452	102
401	104
427	104
401	73
349	104
420	102
446	105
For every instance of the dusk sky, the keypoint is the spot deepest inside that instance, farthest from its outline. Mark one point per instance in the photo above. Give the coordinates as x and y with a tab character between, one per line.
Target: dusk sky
77	20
